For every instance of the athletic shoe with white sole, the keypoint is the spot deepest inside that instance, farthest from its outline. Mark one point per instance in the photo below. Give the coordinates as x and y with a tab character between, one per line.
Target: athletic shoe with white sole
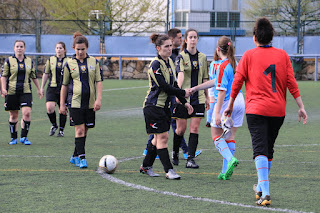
53	130
83	164
192	164
148	171
60	134
25	141
266	201
13	141
172	175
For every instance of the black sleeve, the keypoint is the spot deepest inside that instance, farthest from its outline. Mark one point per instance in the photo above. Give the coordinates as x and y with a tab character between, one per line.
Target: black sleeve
163	85
181	98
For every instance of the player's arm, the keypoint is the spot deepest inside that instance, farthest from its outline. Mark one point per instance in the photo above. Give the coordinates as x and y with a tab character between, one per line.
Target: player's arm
221	96
97	103
302	112
64	88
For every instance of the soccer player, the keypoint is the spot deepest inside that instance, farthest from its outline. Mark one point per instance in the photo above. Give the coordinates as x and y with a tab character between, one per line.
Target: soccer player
85	76
214	65
192	70
223	81
176	38
52	71
267	72
162	85
16	88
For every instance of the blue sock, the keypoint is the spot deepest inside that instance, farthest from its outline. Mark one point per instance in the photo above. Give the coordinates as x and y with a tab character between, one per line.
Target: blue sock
232	147
269	167
261	162
222	147
209	112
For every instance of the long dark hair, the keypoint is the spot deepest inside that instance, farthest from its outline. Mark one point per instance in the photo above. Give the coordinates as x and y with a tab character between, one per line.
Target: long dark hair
158	39
184	43
226	47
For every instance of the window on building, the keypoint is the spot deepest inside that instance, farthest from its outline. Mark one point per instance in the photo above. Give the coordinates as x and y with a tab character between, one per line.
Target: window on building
212	19
234	19
222	19
181	19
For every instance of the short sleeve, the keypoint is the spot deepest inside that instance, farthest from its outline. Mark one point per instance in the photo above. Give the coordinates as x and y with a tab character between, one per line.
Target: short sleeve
33	71
65	74
6	68
98	72
47	67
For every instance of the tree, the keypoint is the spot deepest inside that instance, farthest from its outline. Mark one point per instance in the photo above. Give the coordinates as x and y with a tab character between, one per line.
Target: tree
19	16
115	17
284	14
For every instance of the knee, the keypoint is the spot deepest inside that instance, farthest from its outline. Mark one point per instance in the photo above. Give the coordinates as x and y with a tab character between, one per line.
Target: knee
194	129
27	115
80	132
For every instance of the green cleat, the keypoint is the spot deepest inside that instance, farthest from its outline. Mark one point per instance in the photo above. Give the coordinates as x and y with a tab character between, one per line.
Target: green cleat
231	165
222	176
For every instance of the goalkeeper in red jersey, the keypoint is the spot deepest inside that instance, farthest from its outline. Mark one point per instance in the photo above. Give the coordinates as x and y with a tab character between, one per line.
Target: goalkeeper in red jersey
268	73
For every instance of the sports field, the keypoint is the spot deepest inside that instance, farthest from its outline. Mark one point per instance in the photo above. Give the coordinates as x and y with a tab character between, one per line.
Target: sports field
39	178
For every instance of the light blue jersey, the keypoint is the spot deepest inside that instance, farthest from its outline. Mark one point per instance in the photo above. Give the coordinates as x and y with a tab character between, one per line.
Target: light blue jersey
224	79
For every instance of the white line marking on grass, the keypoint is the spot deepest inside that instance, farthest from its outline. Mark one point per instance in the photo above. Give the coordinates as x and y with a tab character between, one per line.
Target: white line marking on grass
125	88
140	187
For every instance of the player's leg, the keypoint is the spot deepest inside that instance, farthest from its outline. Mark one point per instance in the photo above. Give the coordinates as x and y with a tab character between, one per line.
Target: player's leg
210	111
62	118
13	120
25	124
193	142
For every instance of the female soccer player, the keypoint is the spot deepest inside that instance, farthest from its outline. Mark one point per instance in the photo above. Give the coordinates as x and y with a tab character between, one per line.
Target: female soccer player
156	109
223	81
83	73
192	70
268	73
16	88
52	71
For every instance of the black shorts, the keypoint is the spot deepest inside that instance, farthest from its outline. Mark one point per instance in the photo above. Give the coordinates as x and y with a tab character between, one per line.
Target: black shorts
53	95
157	119
180	112
264	131
82	116
15	102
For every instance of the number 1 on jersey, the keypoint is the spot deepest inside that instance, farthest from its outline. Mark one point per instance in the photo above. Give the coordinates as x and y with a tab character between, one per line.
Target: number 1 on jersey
272	69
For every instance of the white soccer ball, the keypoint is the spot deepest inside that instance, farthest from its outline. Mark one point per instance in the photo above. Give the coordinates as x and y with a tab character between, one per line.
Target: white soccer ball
108	164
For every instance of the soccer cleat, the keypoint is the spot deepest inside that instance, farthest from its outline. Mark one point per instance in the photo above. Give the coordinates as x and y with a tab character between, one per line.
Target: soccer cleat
60	134
25	141
198	153
53	130
222	176
175	158
231	165
145	152
13	141
185	155
172	175
83	163
192	164
266	201
148	171
208	124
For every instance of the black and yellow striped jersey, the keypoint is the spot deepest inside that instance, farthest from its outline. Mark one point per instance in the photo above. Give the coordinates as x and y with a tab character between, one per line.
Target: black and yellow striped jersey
82	78
53	68
162	84
18	74
195	70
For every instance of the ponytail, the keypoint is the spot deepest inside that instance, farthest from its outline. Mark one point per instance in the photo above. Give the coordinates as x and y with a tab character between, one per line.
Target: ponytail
226	47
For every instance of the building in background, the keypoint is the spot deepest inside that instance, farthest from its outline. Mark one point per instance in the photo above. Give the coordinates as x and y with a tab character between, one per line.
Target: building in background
209	17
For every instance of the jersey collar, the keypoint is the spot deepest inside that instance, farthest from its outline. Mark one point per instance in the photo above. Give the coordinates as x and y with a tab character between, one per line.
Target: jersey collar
186	51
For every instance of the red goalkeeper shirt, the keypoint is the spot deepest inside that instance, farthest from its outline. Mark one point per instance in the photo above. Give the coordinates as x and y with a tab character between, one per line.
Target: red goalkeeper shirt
267	72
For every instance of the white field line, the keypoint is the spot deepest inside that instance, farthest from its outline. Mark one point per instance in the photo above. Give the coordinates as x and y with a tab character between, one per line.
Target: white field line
140	187
125	88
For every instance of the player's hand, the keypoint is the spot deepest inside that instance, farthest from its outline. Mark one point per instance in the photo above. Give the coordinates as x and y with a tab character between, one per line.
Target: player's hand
189	108
97	105
42	92
39	93
207	104
193	90
188	93
218	119
63	110
177	101
303	114
4	93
